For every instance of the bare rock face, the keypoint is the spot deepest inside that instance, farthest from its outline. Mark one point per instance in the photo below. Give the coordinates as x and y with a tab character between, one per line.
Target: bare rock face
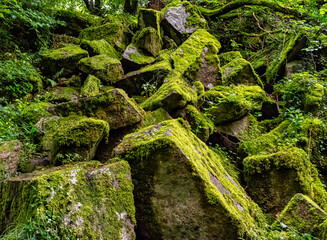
181	189
85	201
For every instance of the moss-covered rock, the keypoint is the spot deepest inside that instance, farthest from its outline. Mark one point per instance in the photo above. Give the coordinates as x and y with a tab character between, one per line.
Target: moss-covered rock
236	128
113	33
63	40
150	18
155	117
98	47
36	110
84	201
225	104
227	57
181	189
240	71
181	19
72	137
149	40
76	21
152	75
63	59
113	106
302	214
61	94
9	158
173	94
135	58
107	69
273	179
91	86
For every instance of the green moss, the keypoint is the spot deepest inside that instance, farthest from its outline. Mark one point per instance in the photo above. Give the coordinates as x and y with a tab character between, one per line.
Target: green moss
98	47
224	104
64	53
137	56
92	200
157	150
227	57
198	87
113	33
149	40
35	111
240	71
91	86
62	40
70	135
108	69
150	18
156	116
61	94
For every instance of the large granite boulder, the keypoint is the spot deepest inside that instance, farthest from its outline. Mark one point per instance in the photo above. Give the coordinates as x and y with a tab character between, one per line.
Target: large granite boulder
84	201
181	189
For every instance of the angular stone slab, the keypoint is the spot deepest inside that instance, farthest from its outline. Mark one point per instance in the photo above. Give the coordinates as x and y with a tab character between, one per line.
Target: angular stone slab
75	137
65	58
90	199
108	69
181	189
98	47
113	106
91	86
181	19
149	40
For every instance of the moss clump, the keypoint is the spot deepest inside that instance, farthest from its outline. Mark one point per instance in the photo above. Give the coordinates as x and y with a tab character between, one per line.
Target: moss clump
113	106
113	33
72	135
63	40
149	40
174	93
85	201
61	94
62	59
198	87
273	179
156	116
182	188
98	47
240	71
108	69
303	215
36	110
224	104
227	57
91	86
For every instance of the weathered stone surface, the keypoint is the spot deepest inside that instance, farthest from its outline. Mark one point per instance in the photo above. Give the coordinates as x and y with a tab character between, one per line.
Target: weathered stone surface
73	138
76	22
62	40
91	200
181	19
273	179
240	71
91	86
98	47
113	106
9	158
181	189
108	69
150	18
235	128
302	214
152	75
113	33
226	104
135	58
62	94
63	59
156	117
149	40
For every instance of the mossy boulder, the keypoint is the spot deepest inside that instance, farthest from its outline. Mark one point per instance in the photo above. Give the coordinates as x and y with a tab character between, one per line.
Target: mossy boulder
227	57
62	59
302	214
225	104
9	158
75	21
150	18
107	69
113	106
36	110
135	58
134	83
84	201
173	94
149	40
98	47
61	94
273	179
91	86
181	19
113	33
240	71
181	189
236	128
72	137
63	40
157	116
